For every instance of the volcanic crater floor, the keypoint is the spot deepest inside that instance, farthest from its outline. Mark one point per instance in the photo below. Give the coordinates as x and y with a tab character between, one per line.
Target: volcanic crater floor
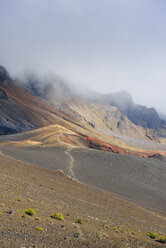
108	220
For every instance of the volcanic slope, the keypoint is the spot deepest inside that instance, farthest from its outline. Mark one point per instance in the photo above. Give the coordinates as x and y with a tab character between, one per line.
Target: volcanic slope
107	220
101	117
21	111
139	179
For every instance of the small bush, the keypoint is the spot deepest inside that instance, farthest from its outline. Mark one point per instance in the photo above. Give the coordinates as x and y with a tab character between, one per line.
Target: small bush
153	235
1	213
105	226
39	228
162	240
99	235
57	216
79	221
18	211
24	216
30	211
115	229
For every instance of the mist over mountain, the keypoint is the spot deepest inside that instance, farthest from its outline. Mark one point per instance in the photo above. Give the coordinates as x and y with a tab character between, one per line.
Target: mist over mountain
82	123
138	114
114	113
110	46
57	88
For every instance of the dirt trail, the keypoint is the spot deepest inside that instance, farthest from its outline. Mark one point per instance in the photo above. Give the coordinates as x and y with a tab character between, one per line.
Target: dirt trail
71	163
71	160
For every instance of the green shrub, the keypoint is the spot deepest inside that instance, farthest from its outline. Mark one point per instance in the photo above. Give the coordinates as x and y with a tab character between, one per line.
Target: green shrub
79	221
39	228
99	235
30	211
115	229
57	216
18	211
162	239
153	235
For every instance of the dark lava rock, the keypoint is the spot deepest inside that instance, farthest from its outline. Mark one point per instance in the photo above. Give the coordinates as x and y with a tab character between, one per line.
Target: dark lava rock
4	75
3	94
10	211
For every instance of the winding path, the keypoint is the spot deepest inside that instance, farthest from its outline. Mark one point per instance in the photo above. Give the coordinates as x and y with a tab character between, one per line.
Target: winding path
71	160
71	163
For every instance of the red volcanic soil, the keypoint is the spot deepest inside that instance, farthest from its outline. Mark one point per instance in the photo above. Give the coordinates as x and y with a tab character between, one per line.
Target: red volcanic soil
67	139
79	140
93	143
100	145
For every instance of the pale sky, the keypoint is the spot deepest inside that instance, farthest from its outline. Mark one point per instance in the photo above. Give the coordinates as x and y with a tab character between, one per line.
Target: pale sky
109	45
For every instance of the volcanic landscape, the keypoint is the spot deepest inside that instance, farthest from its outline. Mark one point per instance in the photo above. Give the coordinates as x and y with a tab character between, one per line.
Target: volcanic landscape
83	158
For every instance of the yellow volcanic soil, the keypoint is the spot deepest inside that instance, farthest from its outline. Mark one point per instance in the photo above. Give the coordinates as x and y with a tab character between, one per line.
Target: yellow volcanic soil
24	143
51	136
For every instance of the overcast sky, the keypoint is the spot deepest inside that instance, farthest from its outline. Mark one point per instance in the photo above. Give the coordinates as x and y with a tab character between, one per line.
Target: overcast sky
109	45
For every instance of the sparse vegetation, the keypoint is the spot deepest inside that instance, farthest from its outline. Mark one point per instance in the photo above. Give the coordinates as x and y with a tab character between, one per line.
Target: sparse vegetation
159	238
105	226
99	235
79	221
39	228
84	226
1	213
162	239
18	211
30	211
57	216
115	229
153	235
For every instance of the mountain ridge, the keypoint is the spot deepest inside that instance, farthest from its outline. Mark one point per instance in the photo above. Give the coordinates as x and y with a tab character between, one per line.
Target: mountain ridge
38	105
63	97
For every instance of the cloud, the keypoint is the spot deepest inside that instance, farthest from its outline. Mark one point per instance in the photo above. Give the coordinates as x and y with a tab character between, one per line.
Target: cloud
108	45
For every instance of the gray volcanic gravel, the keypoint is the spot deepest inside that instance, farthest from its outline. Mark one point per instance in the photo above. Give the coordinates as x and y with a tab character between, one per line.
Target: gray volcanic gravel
52	158
142	180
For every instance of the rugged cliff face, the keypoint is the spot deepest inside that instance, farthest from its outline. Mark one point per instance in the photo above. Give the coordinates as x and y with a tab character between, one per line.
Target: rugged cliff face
100	114
139	115
36	104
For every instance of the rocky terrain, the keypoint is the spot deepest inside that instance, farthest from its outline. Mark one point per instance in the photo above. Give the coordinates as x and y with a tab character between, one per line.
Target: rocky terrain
112	112
137	177
138	114
21	111
106	220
